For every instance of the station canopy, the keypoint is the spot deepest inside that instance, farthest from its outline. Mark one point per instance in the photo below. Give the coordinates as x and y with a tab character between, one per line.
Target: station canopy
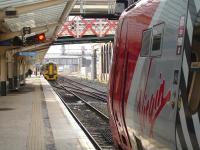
44	16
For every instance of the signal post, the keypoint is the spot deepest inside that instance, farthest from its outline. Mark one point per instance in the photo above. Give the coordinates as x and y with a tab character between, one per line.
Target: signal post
10	70
3	70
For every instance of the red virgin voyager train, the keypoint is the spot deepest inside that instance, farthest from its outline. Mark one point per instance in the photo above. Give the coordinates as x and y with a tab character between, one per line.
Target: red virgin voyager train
154	87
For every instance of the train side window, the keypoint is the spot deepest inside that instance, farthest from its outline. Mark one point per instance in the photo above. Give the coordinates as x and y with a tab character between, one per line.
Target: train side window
146	43
157	37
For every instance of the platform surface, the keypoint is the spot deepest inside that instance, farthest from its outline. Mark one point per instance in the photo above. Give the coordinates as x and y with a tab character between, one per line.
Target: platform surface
34	118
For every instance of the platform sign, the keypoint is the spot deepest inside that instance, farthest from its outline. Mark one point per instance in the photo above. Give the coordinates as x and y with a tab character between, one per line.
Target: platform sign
6	43
31	54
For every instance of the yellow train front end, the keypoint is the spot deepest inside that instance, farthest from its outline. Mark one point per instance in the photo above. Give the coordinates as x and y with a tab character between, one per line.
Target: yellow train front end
50	72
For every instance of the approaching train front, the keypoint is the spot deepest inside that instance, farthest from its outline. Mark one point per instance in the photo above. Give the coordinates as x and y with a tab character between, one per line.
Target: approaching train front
50	72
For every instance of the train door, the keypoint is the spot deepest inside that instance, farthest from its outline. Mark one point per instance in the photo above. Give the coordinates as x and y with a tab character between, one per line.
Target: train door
118	87
154	88
160	71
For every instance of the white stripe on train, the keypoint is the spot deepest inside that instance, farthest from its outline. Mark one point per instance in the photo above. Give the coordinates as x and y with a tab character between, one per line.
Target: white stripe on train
184	128
197	4
185	68
189	27
178	142
195	119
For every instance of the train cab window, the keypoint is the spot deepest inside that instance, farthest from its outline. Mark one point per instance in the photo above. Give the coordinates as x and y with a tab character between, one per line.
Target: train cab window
146	43
156	42
157	36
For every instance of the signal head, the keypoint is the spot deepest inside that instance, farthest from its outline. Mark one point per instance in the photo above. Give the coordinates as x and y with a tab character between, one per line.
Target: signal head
40	37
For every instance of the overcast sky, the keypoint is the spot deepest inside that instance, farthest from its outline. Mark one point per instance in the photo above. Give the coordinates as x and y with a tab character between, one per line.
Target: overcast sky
58	48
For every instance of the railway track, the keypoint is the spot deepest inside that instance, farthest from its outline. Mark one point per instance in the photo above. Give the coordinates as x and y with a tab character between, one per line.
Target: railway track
90	113
86	88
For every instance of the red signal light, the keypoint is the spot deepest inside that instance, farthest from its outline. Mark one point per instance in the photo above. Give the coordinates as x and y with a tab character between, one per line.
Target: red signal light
41	37
36	39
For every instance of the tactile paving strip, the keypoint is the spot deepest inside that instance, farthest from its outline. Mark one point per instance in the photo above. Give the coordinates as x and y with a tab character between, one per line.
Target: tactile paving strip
35	140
